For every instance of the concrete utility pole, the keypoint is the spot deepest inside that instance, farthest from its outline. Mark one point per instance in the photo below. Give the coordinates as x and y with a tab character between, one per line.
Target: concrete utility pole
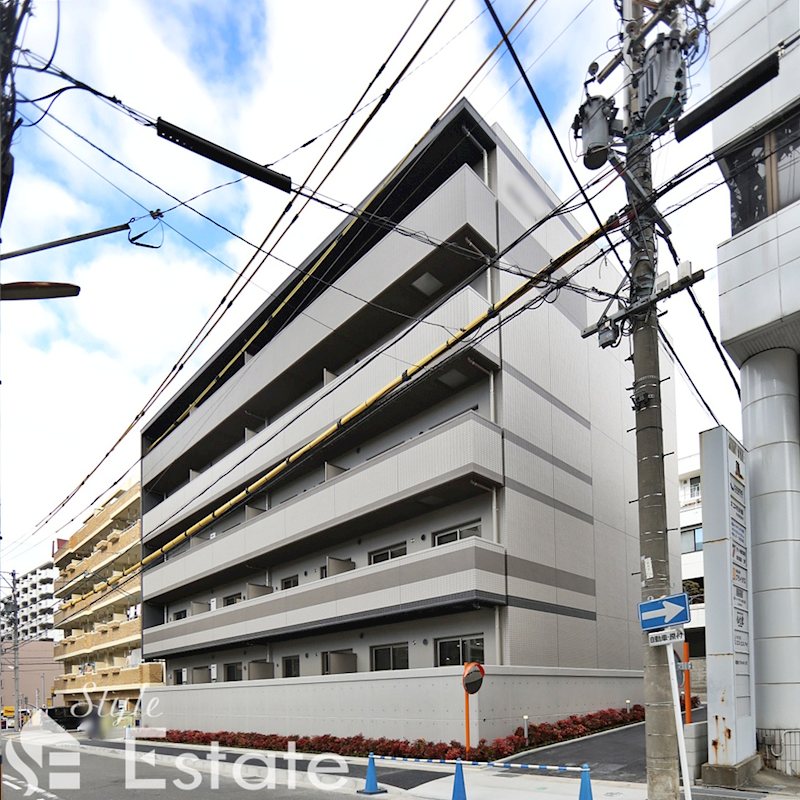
656	75
15	646
660	732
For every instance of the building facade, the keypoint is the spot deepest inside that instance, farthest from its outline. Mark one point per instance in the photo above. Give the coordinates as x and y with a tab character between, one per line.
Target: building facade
692	570
36	606
480	514
100	654
37	670
760	326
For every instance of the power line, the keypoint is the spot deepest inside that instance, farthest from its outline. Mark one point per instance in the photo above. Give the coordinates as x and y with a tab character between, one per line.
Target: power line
541	221
546	119
680	363
383	99
404	386
209	325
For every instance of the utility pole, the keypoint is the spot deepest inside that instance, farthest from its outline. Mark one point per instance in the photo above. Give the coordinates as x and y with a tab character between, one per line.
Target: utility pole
660	734
12	15
655	94
15	646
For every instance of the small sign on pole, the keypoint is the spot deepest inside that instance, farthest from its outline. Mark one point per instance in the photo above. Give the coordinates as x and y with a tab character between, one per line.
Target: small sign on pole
668	636
665	611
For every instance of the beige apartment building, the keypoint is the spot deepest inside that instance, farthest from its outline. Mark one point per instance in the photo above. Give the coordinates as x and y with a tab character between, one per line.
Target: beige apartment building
101	649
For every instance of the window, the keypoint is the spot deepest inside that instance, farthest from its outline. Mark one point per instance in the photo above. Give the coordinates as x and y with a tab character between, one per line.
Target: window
178	677
337	662
290	582
323	571
764	175
691	539
787	156
694	487
390	656
451	652
231	599
454	534
291	666
395	551
233	672
179	615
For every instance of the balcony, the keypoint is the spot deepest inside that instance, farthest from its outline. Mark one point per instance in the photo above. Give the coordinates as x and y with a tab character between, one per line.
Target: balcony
118	548
118	599
449	577
117	678
388	488
117	513
335	325
104	637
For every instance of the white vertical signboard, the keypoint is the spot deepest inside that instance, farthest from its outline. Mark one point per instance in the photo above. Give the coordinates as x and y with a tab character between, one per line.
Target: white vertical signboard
726	562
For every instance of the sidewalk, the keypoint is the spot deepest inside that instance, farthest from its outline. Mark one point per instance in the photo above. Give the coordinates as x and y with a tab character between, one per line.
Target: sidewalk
507	784
500	784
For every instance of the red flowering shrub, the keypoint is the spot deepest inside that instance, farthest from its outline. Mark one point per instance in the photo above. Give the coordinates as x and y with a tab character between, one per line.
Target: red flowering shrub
538	735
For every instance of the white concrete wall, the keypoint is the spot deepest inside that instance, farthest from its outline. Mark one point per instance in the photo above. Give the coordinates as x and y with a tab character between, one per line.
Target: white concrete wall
739	39
400	704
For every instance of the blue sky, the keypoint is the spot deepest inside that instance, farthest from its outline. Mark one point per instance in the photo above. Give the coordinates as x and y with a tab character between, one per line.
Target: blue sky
260	78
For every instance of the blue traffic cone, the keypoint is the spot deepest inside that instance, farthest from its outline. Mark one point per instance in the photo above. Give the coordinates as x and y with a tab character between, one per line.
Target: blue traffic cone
586	785
371	786
459	790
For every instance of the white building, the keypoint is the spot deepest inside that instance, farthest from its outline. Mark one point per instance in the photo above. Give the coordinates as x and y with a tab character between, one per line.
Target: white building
485	516
759	284
36	605
691	500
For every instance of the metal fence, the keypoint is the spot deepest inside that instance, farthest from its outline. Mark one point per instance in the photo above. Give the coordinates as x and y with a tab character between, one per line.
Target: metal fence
780	749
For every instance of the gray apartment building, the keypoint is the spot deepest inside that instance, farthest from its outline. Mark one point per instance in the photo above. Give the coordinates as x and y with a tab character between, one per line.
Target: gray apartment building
479	513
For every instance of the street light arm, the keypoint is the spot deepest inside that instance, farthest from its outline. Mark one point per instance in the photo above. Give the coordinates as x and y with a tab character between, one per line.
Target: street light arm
37	290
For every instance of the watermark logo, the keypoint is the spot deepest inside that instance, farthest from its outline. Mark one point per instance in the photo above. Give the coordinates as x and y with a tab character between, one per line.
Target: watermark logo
251	771
46	753
43	742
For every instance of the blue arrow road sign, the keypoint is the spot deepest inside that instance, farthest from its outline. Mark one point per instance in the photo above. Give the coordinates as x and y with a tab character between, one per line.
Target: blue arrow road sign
664	612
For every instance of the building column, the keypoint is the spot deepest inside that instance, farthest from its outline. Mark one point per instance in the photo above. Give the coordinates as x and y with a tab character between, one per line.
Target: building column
771	424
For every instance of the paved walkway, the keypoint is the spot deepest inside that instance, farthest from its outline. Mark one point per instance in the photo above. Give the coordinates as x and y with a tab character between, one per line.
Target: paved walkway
615	755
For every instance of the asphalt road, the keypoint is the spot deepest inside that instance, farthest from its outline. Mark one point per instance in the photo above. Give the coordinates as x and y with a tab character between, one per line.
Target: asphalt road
89	775
401	777
101	777
618	755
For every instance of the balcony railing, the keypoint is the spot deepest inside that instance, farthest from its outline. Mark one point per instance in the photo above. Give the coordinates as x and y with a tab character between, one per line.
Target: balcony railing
449	576
110	678
119	549
104	637
115	512
465	446
121	597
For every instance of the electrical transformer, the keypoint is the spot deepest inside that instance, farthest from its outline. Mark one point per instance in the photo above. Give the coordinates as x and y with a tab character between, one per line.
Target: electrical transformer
593	121
662	84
